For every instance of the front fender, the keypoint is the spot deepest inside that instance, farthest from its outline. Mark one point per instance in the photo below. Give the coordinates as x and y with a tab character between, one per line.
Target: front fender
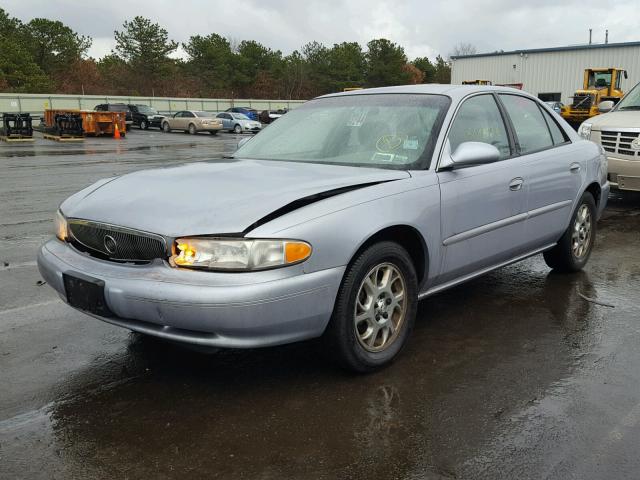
339	226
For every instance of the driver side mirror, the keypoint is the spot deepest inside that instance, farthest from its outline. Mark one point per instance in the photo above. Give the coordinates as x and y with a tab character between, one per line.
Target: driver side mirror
471	153
606	106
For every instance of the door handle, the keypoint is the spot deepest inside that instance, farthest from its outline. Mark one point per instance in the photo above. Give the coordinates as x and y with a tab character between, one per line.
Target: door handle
516	184
574	167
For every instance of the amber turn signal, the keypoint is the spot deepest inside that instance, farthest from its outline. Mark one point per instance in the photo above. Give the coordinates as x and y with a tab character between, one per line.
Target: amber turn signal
296	252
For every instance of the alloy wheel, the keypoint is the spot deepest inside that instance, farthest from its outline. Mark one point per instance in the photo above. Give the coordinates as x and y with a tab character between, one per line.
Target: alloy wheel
581	235
380	307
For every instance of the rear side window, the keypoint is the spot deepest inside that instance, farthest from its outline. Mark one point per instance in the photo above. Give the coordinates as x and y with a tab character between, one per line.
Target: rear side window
558	136
479	120
530	126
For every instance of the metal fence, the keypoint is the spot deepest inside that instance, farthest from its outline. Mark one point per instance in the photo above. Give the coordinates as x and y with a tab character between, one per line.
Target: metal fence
35	104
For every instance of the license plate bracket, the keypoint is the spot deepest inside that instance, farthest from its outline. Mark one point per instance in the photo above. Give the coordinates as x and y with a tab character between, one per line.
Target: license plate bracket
86	293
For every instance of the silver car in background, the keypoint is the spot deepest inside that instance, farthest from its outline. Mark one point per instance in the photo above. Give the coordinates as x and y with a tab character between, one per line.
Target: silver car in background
238	122
333	222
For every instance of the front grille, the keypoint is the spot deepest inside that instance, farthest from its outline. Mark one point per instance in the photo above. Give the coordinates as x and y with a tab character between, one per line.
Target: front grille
582	102
116	243
619	142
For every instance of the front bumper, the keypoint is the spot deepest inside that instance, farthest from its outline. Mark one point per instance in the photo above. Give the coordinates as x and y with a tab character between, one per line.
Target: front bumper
228	310
624	174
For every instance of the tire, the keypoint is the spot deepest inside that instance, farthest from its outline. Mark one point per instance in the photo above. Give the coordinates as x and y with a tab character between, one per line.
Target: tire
573	250
166	128
213	132
237	129
144	125
353	342
192	129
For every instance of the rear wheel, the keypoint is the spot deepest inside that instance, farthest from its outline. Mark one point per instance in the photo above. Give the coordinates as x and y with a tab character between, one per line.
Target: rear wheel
375	308
143	125
165	127
572	252
192	129
237	129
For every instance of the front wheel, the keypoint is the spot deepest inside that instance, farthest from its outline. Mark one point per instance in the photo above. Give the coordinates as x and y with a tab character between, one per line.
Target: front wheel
572	252
192	129
237	129
375	308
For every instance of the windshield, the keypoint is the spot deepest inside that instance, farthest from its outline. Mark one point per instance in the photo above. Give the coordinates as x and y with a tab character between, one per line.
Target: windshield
631	100
599	79
205	114
396	131
240	116
146	109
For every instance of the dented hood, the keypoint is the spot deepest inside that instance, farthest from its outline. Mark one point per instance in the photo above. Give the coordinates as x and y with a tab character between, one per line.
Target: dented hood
226	196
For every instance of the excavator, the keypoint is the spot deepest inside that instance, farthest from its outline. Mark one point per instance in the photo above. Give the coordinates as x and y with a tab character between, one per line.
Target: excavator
599	84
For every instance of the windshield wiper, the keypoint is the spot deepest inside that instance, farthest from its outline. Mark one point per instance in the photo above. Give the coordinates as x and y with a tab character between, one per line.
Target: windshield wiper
630	107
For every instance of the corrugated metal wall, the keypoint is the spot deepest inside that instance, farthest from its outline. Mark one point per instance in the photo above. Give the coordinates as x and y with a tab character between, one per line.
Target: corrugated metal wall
37	103
548	72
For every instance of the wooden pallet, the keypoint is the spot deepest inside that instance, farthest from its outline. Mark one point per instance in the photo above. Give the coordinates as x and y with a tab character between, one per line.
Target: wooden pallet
64	138
15	138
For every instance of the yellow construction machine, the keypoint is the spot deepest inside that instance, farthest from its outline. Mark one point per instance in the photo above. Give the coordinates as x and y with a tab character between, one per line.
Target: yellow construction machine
599	84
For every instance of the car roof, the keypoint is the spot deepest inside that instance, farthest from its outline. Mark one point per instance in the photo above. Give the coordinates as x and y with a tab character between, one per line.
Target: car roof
456	92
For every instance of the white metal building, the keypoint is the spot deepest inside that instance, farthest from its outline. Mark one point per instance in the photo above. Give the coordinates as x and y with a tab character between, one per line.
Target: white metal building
549	73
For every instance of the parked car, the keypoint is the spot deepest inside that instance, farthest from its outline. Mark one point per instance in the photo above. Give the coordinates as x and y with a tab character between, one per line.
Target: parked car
252	113
555	106
145	116
336	220
117	107
192	121
238	123
268	116
618	132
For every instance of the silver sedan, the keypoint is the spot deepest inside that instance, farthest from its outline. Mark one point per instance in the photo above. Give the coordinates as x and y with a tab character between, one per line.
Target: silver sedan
335	221
238	122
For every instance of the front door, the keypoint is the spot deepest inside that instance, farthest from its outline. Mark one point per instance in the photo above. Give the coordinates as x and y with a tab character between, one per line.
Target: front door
483	207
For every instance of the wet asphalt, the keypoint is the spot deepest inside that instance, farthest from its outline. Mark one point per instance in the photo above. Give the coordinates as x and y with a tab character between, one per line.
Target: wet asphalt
520	374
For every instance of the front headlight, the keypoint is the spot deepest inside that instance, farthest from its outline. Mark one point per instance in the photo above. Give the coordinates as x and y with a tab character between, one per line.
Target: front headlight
585	130
238	253
61	226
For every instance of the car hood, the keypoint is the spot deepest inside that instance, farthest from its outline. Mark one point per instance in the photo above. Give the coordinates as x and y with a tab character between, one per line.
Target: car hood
618	119
226	196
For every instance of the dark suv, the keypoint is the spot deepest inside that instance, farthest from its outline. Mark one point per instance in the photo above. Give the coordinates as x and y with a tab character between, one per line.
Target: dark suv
117	107
145	116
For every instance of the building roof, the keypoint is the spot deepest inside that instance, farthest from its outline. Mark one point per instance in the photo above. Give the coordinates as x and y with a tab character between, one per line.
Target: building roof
551	49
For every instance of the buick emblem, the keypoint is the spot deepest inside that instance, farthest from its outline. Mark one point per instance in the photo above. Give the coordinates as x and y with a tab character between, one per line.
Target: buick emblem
110	244
636	144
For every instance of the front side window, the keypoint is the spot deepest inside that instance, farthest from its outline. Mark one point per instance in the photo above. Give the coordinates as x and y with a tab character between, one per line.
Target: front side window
395	131
530	127
479	120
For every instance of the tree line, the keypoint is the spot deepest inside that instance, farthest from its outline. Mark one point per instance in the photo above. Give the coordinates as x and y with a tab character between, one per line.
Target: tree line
46	56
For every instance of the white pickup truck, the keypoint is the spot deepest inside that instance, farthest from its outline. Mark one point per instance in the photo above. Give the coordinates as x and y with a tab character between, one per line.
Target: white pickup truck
618	131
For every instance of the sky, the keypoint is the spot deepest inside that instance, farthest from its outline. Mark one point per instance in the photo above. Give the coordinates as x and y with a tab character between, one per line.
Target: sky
423	28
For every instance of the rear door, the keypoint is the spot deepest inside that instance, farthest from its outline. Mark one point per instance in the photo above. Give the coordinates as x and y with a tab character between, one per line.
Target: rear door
483	207
553	172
